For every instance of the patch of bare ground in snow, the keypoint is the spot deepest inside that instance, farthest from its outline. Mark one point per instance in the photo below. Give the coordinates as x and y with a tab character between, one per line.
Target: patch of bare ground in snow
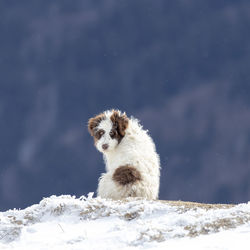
187	205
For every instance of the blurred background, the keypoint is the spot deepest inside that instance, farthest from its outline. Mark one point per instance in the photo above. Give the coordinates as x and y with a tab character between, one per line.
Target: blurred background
181	67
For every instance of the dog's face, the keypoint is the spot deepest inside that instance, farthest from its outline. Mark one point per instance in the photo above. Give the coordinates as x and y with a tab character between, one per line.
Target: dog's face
108	129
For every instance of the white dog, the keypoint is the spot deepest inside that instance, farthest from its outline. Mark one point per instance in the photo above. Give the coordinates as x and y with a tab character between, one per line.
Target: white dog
132	164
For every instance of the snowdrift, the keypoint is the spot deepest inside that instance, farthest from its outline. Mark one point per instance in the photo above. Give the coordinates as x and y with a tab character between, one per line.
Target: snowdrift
65	222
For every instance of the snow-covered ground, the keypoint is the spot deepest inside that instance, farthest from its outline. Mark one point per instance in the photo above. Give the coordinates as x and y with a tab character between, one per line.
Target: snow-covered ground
66	222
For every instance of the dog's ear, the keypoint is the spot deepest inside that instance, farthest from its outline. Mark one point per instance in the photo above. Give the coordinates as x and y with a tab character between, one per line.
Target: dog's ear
120	122
94	122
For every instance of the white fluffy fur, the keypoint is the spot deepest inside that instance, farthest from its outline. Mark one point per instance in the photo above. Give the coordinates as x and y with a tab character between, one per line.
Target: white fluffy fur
136	149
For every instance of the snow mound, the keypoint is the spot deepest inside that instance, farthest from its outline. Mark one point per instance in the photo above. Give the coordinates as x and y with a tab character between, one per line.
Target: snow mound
65	222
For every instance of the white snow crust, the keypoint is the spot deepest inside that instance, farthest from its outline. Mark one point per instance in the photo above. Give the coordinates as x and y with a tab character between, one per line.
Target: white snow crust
66	222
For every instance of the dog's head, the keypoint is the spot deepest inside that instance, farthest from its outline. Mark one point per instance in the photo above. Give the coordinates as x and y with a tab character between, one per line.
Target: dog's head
108	129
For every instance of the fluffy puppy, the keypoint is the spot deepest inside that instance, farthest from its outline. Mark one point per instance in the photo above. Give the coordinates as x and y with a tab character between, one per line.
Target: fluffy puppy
132	164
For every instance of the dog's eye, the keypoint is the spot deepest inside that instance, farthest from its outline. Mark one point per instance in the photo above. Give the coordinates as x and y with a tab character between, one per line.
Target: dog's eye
112	134
99	134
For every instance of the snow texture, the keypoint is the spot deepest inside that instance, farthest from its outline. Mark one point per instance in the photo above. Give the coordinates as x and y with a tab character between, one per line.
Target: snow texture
65	222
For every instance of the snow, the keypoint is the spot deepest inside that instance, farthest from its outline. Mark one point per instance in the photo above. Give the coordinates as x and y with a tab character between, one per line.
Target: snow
67	222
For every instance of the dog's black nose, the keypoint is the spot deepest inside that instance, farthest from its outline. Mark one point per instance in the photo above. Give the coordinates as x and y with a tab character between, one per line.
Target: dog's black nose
105	146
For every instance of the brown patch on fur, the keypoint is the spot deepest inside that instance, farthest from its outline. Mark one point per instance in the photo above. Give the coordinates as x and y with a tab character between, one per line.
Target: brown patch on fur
120	124
94	122
126	174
